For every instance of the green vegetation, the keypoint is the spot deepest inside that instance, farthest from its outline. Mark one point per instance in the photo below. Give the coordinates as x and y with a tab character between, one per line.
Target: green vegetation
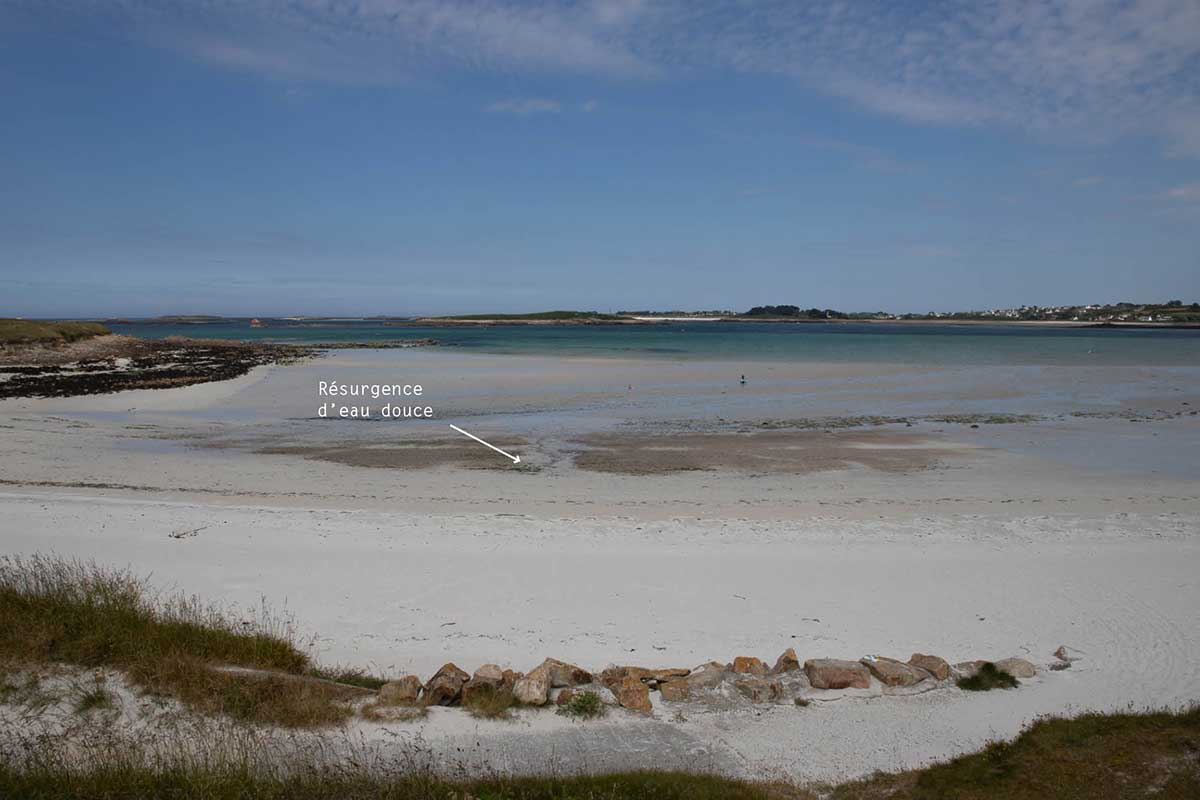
25	331
487	702
987	678
584	705
540	315
350	676
795	312
56	610
1095	756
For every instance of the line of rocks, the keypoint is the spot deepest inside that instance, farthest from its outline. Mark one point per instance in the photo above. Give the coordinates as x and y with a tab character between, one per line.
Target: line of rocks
746	679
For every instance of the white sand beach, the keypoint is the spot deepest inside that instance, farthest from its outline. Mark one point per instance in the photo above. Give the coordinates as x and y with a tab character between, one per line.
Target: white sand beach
754	521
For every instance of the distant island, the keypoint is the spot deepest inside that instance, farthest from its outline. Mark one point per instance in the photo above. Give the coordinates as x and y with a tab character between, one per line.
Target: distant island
1170	313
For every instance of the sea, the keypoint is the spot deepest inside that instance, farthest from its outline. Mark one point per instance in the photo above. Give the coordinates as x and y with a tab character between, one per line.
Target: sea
876	342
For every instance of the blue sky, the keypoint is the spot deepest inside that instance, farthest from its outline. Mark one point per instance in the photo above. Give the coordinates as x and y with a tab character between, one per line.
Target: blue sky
394	157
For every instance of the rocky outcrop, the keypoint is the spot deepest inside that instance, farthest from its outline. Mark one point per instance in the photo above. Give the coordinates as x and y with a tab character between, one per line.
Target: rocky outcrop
749	665
787	662
935	666
631	693
832	673
1017	667
445	687
402	691
564	697
891	672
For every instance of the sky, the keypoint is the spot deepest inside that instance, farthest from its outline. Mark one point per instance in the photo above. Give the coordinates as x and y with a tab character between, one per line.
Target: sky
360	157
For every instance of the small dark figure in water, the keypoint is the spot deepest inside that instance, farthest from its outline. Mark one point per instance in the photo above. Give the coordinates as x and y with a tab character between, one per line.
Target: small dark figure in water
743	380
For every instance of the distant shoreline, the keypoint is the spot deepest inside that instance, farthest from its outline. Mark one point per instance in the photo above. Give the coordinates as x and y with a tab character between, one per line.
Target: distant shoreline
450	322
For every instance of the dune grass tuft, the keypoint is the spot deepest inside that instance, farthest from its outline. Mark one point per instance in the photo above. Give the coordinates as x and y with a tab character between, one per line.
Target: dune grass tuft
584	705
488	702
66	611
988	677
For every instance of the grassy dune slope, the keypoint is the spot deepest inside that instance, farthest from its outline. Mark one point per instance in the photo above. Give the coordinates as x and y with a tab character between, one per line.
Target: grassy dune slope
24	331
59	611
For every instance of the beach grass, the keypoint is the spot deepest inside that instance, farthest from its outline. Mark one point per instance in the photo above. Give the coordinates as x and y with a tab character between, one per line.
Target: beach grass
25	331
584	705
490	702
55	610
988	677
1095	756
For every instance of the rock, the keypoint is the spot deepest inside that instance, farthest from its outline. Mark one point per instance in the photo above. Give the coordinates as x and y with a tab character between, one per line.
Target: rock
787	662
562	674
706	676
445	687
891	672
613	676
968	669
1017	667
832	673
675	690
760	690
749	665
533	689
1063	653
487	678
510	677
633	694
935	666
402	691
564	697
489	673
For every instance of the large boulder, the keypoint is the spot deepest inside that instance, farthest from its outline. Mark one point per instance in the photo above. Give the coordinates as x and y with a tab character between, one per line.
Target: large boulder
533	689
787	662
631	693
891	672
1017	667
487	679
760	690
400	692
935	666
445	687
749	665
832	673
704	677
561	674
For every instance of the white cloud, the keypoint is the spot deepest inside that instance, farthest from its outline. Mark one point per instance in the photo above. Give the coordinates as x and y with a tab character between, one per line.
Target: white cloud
1188	192
1087	69
524	106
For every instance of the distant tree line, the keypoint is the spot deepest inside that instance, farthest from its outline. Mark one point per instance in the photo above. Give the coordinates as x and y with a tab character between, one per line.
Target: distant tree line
796	311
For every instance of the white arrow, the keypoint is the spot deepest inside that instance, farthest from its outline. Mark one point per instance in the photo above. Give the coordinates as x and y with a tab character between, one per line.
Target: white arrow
515	459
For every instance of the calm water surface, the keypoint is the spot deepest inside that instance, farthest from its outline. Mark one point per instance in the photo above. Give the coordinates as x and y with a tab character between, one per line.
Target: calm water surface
933	344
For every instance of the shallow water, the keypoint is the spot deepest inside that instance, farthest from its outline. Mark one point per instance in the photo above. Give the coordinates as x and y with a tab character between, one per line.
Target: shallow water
930	344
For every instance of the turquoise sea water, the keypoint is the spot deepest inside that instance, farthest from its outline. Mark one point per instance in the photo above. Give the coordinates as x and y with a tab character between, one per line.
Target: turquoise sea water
812	342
